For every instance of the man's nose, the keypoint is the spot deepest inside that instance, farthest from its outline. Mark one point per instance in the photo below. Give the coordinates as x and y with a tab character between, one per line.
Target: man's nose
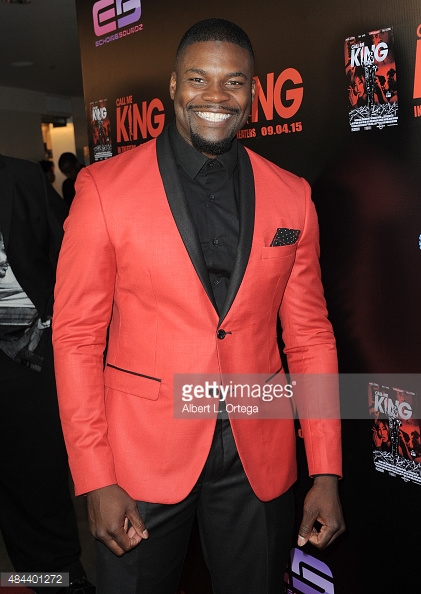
215	92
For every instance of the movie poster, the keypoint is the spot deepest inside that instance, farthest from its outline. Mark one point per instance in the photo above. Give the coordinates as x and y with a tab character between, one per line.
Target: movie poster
371	72
100	130
396	431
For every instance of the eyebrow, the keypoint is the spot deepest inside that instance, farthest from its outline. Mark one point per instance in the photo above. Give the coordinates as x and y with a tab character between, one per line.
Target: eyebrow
228	75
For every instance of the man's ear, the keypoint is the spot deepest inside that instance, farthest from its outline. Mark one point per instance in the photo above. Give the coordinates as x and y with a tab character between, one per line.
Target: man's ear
173	84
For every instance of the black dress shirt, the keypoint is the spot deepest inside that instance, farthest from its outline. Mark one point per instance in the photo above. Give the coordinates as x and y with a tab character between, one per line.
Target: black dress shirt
210	189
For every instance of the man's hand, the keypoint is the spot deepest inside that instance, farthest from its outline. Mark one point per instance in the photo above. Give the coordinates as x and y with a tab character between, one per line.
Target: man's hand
322	505
110	510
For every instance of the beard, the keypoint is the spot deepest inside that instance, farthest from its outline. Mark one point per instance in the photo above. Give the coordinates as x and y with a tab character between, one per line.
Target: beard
210	147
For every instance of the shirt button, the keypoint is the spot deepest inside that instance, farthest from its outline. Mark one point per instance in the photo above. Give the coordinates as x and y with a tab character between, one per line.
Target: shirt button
221	334
212	197
215	241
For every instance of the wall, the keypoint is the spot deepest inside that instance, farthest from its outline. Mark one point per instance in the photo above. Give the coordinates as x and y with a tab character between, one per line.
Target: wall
21	113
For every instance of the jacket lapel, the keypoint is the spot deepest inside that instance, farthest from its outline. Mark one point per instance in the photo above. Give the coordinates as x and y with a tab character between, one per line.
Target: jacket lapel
180	210
246	205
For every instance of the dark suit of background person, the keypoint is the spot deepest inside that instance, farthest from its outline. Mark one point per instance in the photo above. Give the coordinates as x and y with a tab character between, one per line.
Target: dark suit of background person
37	518
70	167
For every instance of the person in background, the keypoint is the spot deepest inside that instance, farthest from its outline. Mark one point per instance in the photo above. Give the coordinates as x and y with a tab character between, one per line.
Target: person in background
70	167
48	169
37	517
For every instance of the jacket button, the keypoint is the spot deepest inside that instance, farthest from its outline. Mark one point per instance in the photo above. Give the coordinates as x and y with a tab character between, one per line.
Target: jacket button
221	334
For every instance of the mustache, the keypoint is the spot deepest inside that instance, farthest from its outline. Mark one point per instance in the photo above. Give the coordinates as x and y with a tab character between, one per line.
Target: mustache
214	108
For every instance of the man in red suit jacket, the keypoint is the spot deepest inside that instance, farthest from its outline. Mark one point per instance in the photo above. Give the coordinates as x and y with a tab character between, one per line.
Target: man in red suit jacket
179	256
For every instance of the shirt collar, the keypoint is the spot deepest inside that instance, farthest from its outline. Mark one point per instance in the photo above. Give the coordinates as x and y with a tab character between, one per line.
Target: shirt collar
192	161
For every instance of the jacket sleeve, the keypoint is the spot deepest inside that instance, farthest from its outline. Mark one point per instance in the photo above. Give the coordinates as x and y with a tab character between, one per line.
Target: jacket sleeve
83	303
310	348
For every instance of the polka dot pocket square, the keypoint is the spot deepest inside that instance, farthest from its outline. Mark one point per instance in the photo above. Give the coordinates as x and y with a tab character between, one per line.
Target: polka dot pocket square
285	237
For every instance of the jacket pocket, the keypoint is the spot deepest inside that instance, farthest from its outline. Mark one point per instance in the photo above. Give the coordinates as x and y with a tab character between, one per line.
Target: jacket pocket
131	382
279	251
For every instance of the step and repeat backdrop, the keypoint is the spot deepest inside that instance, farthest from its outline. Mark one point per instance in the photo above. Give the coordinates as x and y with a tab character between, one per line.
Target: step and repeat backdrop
339	102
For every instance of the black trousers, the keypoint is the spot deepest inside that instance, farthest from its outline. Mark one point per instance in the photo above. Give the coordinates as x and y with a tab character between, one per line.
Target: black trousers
245	541
37	517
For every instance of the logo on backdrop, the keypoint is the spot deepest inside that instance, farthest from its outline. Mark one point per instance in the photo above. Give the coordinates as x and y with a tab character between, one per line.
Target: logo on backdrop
115	19
307	575
137	122
279	101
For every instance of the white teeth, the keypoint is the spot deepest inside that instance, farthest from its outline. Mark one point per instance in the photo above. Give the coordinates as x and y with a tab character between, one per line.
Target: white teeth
212	116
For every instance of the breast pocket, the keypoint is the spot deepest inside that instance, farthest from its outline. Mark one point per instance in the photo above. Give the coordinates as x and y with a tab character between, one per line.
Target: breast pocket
280	251
130	382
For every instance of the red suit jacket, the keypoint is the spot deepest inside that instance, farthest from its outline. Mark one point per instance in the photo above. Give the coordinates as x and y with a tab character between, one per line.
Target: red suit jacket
131	265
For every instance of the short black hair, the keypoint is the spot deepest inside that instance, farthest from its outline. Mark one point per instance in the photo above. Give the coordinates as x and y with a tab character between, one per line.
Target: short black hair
67	160
215	30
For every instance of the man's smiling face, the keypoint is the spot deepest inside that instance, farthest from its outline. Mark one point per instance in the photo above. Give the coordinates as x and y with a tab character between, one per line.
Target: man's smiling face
212	89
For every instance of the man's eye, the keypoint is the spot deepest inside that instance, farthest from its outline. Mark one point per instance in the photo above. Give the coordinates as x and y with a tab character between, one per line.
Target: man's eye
196	80
235	83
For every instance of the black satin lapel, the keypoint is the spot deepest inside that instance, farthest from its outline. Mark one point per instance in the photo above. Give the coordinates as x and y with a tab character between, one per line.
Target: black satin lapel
6	200
246	201
180	210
